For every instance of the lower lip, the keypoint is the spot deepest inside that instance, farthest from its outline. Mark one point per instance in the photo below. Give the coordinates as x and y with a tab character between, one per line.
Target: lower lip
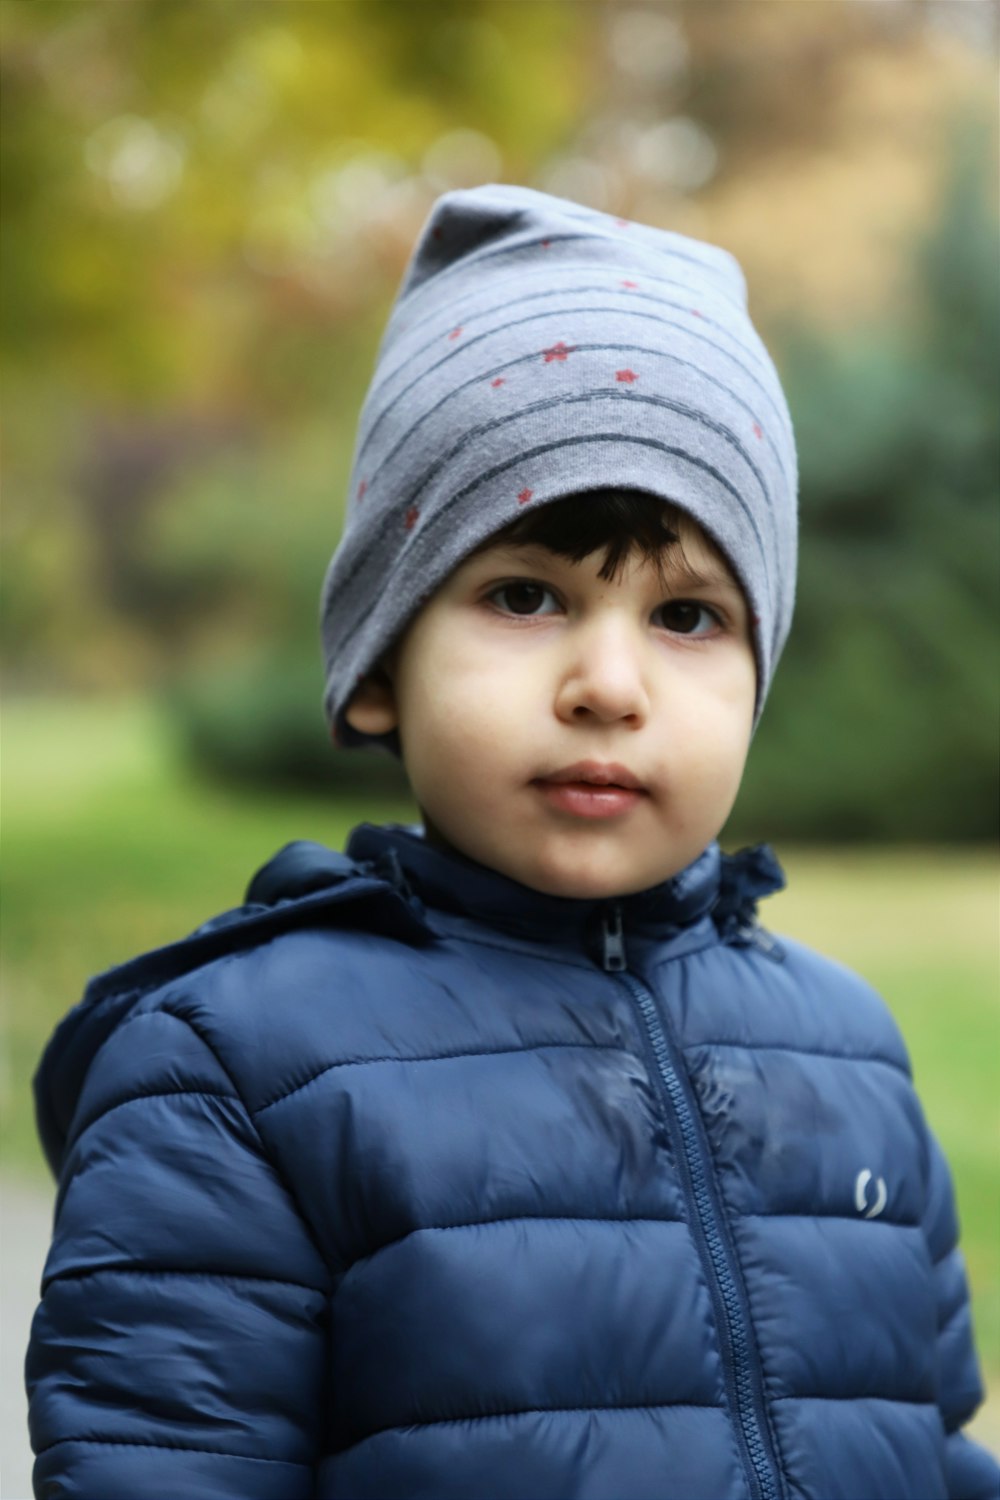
587	800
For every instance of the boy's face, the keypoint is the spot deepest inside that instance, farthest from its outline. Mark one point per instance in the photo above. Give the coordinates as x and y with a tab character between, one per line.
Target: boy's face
527	681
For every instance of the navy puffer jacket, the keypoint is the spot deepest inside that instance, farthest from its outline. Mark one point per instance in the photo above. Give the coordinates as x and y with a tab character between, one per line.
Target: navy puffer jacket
402	1180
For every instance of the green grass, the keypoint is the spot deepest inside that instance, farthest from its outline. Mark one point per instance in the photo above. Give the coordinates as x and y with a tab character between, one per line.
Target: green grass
111	847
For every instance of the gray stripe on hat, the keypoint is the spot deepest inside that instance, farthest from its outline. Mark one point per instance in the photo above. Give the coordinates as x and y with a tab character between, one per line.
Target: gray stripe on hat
575	268
505	328
522	359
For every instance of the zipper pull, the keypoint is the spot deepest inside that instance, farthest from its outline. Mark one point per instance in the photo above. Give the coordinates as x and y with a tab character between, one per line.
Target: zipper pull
612	939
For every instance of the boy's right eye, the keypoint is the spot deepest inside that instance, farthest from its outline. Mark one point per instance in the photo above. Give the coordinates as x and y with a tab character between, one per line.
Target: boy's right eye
522	597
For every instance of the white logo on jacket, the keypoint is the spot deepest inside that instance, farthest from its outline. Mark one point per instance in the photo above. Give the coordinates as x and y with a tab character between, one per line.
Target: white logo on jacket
861	1182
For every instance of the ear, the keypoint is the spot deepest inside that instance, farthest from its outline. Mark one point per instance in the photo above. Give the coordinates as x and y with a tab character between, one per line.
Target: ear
372	709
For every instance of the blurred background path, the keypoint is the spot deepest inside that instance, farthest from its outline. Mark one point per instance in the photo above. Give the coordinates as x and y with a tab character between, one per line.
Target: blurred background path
25	1222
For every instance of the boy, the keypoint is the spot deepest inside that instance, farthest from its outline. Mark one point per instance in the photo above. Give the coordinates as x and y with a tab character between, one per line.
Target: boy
508	1157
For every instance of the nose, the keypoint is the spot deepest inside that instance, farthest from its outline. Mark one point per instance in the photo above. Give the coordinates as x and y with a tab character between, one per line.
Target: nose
603	678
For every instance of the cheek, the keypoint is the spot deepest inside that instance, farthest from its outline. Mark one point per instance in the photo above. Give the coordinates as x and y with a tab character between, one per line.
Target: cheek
452	722
728	702
712	737
459	682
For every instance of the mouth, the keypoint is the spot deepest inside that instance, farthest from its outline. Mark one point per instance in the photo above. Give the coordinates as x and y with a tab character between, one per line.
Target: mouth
591	790
592	773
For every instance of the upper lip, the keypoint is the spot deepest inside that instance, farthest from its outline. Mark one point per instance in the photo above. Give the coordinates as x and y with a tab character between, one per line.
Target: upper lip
597	773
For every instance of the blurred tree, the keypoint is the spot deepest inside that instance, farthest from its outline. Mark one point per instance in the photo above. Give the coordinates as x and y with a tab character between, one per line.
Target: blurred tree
894	648
249	171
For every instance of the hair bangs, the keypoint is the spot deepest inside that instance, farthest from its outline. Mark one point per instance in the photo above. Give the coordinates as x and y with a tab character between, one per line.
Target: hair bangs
619	522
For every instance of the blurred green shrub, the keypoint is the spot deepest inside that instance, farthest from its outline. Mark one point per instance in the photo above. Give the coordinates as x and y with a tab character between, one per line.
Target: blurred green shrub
883	719
229	569
262	724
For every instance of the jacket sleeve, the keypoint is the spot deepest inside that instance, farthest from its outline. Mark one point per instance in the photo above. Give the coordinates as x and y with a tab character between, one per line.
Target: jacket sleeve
180	1347
972	1473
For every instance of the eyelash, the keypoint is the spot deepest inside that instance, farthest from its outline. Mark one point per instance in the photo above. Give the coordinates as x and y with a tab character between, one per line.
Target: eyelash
501	588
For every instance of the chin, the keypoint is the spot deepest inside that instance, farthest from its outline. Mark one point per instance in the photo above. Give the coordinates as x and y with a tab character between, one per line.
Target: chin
572	880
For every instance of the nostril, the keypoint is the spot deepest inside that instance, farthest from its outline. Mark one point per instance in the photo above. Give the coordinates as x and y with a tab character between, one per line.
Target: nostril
589	711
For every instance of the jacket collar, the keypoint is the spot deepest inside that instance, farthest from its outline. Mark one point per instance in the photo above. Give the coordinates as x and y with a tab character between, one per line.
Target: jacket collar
725	886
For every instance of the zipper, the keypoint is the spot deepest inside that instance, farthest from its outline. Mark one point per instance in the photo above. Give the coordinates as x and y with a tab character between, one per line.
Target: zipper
613	939
744	1384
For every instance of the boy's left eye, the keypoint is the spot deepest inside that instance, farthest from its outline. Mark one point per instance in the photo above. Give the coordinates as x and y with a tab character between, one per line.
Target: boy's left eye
522	597
688	617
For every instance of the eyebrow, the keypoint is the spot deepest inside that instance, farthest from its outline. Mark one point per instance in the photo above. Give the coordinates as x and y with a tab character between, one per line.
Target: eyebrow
702	577
677	572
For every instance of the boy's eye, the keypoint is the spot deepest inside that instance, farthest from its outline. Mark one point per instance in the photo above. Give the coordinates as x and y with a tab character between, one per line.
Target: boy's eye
687	617
522	597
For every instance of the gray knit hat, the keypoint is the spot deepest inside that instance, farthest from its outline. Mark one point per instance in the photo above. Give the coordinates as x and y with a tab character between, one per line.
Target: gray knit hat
539	349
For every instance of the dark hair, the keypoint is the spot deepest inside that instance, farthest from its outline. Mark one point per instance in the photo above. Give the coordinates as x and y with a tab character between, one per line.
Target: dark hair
620	521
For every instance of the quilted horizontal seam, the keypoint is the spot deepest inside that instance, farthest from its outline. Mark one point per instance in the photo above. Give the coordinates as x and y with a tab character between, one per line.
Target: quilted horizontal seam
551	1219
153	1271
541	1411
154	1094
156	1013
101	1442
855	1218
888	1400
518	1219
393	1057
851	1057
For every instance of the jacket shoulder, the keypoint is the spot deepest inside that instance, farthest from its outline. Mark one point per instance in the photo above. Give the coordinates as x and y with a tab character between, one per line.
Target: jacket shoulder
785	996
845	1008
265	939
286	1010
